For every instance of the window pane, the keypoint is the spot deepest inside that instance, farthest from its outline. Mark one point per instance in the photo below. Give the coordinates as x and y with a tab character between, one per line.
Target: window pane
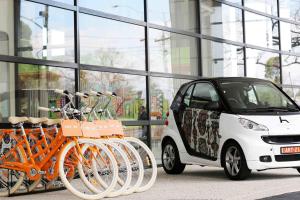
290	70
7	27
140	132
132	9
111	43
24	87
45	32
173	13
131	91
290	37
203	93
173	53
220	20
261	31
220	59
293	92
156	133
265	65
266	6
66	1
290	9
163	90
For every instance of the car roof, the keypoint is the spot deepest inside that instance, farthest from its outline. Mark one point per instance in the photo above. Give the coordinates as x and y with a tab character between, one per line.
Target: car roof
229	79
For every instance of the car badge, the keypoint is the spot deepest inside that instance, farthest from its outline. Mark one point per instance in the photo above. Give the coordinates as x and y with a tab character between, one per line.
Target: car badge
283	120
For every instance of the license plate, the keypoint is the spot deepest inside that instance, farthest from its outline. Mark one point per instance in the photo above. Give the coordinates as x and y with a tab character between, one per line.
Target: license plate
290	150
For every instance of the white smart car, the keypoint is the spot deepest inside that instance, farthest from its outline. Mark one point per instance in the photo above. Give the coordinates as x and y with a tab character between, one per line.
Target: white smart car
240	124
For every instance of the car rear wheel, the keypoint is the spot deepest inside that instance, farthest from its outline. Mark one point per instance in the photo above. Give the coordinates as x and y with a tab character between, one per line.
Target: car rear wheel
170	158
234	162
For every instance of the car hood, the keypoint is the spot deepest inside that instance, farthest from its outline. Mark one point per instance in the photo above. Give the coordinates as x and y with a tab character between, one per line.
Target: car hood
278	124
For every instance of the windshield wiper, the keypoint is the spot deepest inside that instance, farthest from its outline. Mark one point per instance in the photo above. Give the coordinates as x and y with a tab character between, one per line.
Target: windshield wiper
272	109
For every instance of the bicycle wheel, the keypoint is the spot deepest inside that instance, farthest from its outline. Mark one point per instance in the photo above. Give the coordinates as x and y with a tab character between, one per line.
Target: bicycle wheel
135	162
68	164
124	172
10	180
149	162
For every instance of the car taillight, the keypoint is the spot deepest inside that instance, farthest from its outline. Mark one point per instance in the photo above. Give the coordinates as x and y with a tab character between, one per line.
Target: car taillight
166	122
168	113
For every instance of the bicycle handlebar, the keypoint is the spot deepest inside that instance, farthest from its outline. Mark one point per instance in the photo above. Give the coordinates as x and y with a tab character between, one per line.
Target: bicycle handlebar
106	93
44	109
48	109
83	95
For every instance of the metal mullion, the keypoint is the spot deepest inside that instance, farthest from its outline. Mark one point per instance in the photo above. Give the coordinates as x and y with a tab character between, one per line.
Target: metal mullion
55	4
111	16
257	12
173	30
177	76
200	67
244	40
77	51
221	40
24	60
279	39
113	70
148	68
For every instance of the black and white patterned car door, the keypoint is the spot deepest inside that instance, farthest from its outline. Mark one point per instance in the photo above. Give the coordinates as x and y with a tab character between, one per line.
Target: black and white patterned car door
200	130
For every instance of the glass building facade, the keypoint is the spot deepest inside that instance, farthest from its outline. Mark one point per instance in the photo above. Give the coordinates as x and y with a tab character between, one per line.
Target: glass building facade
141	49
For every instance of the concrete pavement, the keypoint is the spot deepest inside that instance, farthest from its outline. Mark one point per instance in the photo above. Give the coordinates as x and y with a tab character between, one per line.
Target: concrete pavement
198	183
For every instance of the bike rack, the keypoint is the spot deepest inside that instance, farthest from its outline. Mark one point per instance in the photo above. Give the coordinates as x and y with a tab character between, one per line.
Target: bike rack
25	191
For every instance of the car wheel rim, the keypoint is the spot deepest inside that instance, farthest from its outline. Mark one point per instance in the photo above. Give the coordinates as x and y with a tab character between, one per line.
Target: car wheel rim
169	156
233	161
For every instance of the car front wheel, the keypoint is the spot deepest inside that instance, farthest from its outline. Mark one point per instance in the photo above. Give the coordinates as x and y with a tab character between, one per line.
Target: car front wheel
234	162
170	158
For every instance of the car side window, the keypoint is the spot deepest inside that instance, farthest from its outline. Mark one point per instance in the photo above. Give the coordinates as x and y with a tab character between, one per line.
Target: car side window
203	94
187	97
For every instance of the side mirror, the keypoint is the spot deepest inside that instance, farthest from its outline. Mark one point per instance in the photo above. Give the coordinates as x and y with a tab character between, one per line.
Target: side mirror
212	105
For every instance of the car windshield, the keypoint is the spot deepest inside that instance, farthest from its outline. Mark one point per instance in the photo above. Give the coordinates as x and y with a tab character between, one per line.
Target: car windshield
256	97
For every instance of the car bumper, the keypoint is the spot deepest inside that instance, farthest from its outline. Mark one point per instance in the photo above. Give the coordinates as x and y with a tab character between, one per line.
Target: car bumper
254	147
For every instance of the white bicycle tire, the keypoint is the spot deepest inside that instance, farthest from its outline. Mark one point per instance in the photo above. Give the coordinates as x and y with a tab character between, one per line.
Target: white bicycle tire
69	186
151	182
94	189
137	184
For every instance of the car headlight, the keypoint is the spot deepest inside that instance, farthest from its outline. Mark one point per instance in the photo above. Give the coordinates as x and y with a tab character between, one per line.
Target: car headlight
248	124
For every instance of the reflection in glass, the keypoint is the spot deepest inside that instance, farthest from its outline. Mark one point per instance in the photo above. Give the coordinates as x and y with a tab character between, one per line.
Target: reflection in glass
140	132
173	13
24	87
220	20
111	43
290	37
66	1
262	64
293	92
173	53
131	91
6	27
261	31
7	91
220	59
132	9
156	133
45	32
266	6
163	90
35	87
290	9
290	70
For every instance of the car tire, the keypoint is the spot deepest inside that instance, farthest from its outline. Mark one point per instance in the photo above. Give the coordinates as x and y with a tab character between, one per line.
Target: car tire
170	158
234	162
